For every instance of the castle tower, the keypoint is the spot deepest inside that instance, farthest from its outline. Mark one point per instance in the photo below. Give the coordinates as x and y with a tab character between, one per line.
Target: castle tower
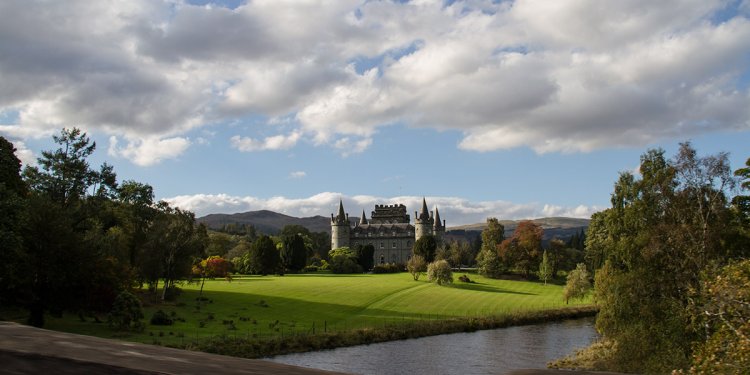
439	228
340	228
363	219
423	222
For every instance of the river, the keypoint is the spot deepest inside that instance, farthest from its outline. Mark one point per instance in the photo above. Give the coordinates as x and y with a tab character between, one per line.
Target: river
482	352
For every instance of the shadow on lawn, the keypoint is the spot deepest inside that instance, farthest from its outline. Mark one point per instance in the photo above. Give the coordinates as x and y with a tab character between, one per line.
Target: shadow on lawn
480	287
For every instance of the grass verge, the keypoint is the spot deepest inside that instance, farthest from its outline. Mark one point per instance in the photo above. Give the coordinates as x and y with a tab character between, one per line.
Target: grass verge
248	347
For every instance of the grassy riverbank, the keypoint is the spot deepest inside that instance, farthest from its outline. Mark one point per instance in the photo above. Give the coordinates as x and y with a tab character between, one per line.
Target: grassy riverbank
276	308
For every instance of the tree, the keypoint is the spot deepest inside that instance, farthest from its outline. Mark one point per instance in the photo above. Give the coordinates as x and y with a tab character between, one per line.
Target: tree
416	265
293	253
344	260
722	312
264	258
663	230
126	313
440	272
545	268
578	283
425	246
488	261
365	256
65	175
529	237
459	253
13	262
211	267
489	264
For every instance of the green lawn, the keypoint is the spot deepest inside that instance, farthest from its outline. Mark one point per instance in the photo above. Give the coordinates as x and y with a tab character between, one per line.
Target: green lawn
254	304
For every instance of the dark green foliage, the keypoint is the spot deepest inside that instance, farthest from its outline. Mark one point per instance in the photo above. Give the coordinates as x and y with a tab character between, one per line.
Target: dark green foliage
365	256
293	252
126	313
160	318
13	259
426	247
388	268
488	260
263	256
662	231
343	260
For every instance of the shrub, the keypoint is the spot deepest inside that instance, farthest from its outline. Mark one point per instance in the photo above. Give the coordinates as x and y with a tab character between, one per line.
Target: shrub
126	313
387	268
343	260
310	269
160	318
440	272
578	283
416	265
465	279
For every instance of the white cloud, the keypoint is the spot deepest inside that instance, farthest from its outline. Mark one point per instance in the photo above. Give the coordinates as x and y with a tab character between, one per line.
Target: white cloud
565	76
456	211
149	151
297	174
276	142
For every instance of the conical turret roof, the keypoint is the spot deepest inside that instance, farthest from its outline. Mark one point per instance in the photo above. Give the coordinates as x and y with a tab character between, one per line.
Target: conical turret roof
341	209
438	222
363	219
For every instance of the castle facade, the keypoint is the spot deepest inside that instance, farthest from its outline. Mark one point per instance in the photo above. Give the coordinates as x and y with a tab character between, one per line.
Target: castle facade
389	231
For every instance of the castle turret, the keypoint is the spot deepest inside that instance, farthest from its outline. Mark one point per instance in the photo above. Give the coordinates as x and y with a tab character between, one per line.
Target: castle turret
423	222
340	228
363	219
439	228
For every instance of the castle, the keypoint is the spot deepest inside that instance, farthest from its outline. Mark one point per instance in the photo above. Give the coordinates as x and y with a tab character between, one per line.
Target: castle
389	231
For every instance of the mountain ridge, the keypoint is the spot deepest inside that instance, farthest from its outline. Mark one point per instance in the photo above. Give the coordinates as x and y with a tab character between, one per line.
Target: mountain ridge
270	222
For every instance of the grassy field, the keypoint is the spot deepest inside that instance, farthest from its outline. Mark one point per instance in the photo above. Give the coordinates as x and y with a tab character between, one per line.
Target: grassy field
272	306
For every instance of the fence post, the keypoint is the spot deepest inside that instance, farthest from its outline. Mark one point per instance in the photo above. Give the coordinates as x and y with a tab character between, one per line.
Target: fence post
325	326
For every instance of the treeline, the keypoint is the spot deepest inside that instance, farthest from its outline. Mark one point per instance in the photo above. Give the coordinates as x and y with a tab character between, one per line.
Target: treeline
73	237
672	275
523	252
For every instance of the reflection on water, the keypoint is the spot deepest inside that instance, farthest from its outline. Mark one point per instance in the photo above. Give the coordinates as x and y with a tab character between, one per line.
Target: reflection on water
482	352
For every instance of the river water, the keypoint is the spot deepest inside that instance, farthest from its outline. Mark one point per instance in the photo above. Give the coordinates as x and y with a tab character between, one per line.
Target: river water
482	352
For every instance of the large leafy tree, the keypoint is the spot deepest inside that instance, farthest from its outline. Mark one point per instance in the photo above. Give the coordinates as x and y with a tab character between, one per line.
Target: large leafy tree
64	175
293	252
426	247
13	262
263	256
488	260
523	249
662	231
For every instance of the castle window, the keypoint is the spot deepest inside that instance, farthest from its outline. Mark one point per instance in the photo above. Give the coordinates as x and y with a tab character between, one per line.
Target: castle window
382	244
394	244
382	259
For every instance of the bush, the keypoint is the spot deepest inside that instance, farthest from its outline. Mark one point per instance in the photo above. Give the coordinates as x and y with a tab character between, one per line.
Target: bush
465	279
160	318
387	268
440	272
126	313
416	265
310	269
344	264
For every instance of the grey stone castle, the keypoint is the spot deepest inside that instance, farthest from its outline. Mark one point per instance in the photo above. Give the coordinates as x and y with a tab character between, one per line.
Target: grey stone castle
389	230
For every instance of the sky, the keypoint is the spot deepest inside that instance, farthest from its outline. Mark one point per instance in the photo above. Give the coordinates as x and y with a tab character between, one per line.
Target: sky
509	109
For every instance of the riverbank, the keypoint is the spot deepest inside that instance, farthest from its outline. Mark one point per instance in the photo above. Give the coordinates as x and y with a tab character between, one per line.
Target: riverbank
247	347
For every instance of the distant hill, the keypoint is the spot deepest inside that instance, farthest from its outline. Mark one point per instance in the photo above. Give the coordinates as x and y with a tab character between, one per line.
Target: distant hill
270	222
267	222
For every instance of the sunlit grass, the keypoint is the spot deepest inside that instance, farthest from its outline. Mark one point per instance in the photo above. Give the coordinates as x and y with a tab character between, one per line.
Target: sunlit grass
265	306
